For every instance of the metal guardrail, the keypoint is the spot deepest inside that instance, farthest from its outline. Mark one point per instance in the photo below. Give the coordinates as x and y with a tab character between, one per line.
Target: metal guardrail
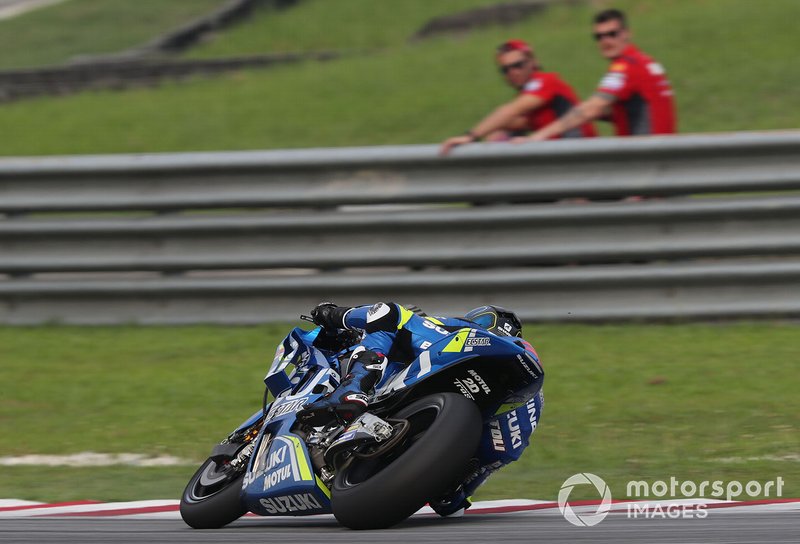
604	167
509	235
261	236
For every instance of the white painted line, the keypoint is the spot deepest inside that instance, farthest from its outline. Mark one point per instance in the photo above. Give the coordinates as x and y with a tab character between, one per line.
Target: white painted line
92	459
790	457
168	508
125	508
12	8
7	503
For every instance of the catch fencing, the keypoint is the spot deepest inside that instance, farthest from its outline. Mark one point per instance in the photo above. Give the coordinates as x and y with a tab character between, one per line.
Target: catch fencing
684	227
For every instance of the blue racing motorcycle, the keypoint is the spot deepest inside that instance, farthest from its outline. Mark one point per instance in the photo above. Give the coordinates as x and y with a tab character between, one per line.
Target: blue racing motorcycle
420	438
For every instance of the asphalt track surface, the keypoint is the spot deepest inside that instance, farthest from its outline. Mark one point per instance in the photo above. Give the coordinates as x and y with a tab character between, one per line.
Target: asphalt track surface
524	527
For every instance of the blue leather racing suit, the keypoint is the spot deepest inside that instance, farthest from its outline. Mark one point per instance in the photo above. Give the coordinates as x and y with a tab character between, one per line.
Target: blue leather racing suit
401	335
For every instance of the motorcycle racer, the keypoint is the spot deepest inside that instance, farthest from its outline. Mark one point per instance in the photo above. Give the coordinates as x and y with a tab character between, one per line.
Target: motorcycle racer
393	337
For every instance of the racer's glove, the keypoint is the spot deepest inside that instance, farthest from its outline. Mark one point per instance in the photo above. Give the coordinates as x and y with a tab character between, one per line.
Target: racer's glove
337	339
329	316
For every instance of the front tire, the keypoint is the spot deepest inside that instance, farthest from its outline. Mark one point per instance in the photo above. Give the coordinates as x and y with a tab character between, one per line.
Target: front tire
212	499
432	458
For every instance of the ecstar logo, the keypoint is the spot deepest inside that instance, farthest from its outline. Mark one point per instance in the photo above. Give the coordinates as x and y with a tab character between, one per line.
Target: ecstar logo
586	519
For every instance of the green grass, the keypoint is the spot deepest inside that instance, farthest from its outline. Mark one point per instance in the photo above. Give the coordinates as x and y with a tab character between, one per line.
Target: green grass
638	402
315	25
727	76
55	34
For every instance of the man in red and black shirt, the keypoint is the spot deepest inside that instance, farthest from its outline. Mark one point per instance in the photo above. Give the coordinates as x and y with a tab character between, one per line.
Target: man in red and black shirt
635	93
543	97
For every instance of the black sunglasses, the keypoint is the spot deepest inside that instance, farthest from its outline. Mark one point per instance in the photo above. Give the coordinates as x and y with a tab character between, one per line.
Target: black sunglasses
506	68
610	34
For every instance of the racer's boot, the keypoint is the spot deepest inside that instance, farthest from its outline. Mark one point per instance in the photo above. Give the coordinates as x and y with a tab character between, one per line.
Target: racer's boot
451	505
351	398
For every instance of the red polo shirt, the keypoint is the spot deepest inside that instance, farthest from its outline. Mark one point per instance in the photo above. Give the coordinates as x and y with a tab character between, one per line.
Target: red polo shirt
642	94
558	99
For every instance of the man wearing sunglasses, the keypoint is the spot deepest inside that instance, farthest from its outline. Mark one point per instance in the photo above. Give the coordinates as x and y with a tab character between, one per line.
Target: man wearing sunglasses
634	94
543	97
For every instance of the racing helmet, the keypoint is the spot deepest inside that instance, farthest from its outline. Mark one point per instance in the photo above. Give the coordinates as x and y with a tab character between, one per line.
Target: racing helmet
496	320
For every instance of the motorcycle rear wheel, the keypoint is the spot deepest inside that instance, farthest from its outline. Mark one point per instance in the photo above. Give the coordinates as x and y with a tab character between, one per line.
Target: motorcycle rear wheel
380	492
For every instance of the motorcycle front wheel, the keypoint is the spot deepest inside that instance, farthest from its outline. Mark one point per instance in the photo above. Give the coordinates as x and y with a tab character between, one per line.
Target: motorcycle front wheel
212	498
378	492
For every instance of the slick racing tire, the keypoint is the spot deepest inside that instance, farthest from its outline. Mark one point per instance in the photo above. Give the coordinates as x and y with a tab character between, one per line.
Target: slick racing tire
431	459
212	498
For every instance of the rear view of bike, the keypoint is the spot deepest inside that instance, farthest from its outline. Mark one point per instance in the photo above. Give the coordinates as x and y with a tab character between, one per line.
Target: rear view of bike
419	440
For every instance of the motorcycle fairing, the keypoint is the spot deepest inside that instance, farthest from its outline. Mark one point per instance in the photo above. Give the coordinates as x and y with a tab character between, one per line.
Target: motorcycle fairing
281	480
493	371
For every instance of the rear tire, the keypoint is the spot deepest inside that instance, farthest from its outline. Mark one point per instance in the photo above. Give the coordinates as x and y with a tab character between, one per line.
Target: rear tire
431	459
212	499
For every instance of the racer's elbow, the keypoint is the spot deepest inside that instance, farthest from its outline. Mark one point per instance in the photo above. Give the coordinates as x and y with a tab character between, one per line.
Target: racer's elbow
382	316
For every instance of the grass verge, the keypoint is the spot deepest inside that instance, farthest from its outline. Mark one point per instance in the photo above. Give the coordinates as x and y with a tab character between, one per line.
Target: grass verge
56	34
316	25
637	402
429	90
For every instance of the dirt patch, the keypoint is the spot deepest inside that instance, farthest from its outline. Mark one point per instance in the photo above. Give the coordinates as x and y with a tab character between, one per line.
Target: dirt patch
506	14
230	13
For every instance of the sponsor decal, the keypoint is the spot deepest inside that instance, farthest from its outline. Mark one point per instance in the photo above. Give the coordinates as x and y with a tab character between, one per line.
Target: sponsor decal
514	431
434	327
277	476
357	398
530	364
464	389
480	381
533	85
299	502
618	67
471	341
613	81
279	465
535	362
470	386
425	345
277	457
497	436
286	407
656	69
526	366
532	416
377	311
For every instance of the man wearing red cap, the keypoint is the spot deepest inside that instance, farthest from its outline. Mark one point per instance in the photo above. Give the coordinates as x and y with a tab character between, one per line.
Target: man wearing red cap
634	94
543	97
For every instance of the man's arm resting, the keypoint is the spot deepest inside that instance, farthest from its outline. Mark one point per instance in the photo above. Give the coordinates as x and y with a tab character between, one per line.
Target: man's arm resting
587	111
503	117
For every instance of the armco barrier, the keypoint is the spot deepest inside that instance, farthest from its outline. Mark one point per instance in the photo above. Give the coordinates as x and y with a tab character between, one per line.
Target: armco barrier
249	237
